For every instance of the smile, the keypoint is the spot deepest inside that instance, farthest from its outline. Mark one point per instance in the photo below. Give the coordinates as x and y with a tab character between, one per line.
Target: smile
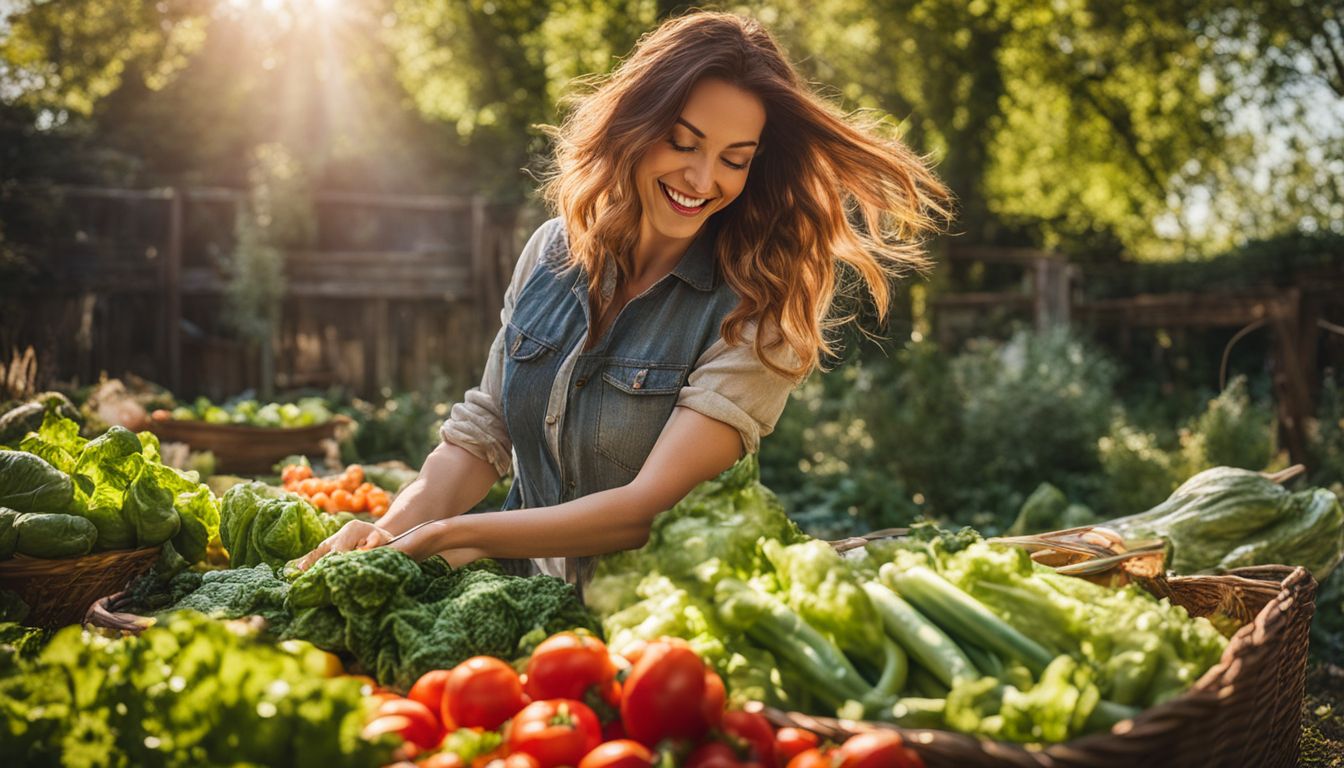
686	206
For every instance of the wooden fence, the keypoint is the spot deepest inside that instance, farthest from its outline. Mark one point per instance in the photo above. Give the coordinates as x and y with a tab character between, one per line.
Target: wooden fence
398	290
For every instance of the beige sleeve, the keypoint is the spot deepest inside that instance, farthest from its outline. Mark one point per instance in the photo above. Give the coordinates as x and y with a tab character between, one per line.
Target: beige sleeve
477	423
730	384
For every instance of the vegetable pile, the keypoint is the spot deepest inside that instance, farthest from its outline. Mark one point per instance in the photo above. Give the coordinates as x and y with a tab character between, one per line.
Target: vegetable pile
307	412
187	692
64	496
938	631
347	493
395	617
577	704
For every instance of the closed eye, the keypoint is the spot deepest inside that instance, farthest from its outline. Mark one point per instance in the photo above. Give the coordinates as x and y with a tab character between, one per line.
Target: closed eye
729	163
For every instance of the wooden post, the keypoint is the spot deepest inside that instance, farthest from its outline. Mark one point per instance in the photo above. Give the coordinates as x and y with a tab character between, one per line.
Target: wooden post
172	291
1294	393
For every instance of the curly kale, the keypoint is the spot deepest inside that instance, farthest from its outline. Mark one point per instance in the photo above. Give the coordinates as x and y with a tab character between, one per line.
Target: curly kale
401	619
397	618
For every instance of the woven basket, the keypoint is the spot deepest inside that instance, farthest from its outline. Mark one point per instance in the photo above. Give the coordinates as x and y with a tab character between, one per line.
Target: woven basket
60	591
244	449
1245	711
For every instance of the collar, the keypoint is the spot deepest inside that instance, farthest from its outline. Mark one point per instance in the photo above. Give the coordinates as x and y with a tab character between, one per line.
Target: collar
697	268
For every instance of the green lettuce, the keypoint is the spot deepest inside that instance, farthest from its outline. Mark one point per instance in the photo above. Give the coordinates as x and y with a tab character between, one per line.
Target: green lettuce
30	484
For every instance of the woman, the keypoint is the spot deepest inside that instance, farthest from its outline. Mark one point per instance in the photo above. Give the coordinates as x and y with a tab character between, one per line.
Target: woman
652	331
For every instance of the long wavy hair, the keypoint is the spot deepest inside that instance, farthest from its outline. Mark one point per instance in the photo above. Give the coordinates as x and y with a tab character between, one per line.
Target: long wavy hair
825	188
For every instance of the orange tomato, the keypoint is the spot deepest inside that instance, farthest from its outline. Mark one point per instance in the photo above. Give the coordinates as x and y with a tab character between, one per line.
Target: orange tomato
309	486
360	503
357	472
322	501
342	500
378	510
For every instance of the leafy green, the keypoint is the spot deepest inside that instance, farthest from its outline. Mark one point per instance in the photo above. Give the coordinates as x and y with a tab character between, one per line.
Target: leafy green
9	538
30	484
259	524
188	691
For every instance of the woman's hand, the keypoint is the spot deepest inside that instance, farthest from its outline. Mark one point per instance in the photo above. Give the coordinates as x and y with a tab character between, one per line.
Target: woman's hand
355	534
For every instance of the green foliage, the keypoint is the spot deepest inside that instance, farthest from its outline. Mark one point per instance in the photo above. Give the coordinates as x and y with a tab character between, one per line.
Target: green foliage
1232	432
187	691
1138	473
1325	449
400	427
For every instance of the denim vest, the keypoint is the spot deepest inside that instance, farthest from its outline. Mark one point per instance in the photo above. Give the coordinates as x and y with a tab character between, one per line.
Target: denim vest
621	391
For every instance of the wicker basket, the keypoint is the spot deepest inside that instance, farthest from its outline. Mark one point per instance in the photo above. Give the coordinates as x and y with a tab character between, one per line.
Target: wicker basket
244	449
1245	711
60	591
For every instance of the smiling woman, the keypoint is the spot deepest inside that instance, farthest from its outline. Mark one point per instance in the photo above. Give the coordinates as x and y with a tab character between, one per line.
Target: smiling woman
654	328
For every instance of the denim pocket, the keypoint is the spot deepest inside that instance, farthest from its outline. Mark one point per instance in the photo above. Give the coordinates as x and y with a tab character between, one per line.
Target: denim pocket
637	399
523	346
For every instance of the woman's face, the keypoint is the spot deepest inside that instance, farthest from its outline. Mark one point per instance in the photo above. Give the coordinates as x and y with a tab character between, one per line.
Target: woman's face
701	165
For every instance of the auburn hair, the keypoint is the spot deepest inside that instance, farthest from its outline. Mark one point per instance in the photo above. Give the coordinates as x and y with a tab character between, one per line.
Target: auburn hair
825	188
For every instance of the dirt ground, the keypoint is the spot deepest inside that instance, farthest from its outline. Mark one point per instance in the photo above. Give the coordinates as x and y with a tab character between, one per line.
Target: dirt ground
1323	717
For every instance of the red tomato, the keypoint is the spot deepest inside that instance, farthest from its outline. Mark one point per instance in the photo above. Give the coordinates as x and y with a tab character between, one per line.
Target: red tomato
428	690
711	704
791	741
566	665
423	731
482	692
442	760
663	696
555	731
755	730
521	760
811	758
877	749
613	731
715	754
622	753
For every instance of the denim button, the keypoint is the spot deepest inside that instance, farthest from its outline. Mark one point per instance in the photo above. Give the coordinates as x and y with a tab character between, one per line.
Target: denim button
579	384
550	419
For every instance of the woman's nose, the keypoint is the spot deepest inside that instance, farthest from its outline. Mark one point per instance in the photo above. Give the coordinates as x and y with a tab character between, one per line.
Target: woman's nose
700	177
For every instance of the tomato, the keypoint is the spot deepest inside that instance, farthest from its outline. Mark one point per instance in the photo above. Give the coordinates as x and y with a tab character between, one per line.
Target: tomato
711	703
791	741
428	690
715	754
423	729
520	760
877	749
753	729
622	753
663	696
481	692
566	665
811	758
613	731
555	731
442	760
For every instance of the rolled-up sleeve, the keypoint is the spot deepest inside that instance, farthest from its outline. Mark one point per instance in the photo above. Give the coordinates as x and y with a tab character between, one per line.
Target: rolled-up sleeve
730	384
477	423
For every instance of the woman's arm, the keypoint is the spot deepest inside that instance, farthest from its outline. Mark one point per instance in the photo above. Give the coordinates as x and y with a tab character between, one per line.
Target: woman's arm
692	448
450	482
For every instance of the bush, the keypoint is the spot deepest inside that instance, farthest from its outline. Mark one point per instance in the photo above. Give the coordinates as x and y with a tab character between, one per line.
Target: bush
1325	446
1138	473
965	439
1233	431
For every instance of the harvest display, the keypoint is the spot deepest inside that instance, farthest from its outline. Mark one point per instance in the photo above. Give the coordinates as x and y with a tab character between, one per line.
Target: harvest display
370	657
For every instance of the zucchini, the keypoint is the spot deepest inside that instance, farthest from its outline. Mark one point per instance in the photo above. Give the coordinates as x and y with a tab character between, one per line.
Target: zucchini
964	616
922	639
